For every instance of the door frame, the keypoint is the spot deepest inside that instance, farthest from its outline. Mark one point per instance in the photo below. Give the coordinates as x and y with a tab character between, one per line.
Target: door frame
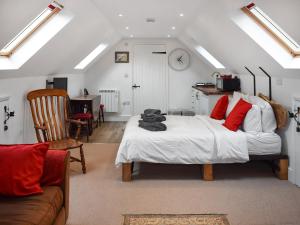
166	69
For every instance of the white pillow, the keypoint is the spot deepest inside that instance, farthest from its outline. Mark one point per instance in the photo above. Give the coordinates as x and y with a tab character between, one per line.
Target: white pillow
252	121
268	119
235	98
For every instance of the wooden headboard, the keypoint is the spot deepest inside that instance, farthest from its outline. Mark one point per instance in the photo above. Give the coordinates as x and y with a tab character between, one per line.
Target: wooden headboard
280	112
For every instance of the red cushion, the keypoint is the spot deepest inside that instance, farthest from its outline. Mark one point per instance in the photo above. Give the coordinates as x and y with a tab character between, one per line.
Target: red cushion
237	115
54	167
82	116
101	106
220	108
21	168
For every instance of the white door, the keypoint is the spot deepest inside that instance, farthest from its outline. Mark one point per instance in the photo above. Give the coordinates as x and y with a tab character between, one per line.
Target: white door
150	84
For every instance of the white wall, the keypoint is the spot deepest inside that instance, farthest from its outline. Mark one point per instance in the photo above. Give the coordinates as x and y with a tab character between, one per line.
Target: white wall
106	74
21	126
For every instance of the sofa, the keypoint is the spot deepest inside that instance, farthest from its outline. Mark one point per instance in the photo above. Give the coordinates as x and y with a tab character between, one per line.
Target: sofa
49	208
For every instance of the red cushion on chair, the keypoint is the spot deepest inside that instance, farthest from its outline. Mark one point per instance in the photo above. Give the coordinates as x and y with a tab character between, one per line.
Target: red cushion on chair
237	115
54	167
220	108
101	106
21	168
82	116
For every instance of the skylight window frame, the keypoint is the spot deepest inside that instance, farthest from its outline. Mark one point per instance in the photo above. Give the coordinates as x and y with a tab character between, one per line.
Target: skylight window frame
209	57
273	29
18	40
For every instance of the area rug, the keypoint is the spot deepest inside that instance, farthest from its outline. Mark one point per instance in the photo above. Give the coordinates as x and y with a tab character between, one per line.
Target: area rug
175	219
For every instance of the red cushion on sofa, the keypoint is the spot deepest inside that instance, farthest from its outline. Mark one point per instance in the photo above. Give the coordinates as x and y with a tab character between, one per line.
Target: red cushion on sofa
237	115
220	108
21	168
54	168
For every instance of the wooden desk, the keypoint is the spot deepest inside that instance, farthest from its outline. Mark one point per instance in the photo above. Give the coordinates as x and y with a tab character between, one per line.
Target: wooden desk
92	102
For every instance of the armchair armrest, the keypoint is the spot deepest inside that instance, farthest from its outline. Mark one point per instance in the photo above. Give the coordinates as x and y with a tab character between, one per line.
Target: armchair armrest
56	173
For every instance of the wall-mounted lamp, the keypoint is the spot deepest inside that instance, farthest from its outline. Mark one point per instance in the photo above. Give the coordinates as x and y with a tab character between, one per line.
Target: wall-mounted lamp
296	117
7	115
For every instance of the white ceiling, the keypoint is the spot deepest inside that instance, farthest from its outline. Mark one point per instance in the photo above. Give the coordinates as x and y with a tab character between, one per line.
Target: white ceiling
135	12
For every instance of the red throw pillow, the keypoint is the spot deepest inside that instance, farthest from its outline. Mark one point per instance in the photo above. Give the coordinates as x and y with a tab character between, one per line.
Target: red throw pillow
54	168
21	168
237	115
220	108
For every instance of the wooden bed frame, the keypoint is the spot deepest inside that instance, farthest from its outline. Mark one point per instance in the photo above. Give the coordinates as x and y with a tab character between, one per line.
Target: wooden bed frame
279	162
279	165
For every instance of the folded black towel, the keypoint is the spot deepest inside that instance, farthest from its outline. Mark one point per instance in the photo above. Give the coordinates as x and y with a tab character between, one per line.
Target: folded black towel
153	118
154	126
152	111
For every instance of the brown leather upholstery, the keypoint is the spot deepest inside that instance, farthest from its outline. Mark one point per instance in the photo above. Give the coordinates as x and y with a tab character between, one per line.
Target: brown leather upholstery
37	209
49	208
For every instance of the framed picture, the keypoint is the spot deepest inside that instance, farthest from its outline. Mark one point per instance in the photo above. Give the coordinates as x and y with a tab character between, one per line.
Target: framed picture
121	57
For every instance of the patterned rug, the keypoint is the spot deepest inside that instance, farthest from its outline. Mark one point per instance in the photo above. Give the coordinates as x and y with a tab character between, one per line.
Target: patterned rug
172	219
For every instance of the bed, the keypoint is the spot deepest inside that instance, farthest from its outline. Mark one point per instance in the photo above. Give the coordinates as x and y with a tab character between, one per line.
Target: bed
196	140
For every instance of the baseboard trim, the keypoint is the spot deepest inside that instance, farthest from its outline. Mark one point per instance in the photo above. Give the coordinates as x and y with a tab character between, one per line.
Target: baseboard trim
123	118
291	174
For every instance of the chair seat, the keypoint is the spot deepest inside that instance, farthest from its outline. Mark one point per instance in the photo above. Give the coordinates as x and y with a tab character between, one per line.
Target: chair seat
82	116
101	106
65	144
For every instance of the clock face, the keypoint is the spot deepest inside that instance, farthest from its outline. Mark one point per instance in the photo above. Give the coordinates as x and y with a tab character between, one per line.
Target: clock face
179	59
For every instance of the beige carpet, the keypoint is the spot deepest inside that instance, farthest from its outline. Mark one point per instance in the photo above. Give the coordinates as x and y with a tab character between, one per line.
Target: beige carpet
249	194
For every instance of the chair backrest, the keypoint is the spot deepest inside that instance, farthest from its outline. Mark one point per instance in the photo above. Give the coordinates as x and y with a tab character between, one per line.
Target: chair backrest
49	109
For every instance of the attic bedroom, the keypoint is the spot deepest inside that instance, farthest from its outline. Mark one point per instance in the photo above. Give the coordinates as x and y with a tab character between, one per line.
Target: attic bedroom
149	112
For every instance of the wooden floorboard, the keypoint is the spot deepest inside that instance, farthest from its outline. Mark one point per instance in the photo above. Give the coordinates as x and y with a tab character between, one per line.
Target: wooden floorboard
108	132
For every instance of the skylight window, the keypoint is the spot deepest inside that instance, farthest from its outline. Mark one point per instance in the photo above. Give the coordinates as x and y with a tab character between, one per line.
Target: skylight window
277	32
87	60
209	57
20	38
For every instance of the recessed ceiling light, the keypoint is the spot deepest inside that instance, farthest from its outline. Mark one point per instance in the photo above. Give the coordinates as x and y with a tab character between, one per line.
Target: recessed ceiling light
181	14
127	28
173	28
169	36
131	36
120	15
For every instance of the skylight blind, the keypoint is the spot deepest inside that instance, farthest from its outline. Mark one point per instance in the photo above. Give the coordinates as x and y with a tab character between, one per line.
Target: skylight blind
275	30
46	14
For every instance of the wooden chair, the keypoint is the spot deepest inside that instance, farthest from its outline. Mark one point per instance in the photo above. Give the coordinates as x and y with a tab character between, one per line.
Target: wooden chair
49	108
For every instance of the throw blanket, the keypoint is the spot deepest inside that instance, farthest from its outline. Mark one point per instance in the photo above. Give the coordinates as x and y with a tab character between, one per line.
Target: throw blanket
188	140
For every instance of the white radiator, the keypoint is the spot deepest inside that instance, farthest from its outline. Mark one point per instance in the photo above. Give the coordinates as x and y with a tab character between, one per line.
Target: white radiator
110	99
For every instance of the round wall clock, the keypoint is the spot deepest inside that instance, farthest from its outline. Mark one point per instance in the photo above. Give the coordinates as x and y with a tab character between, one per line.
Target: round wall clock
179	59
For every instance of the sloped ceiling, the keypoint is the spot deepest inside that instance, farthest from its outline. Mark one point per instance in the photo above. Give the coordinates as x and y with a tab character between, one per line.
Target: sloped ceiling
215	30
206	23
87	29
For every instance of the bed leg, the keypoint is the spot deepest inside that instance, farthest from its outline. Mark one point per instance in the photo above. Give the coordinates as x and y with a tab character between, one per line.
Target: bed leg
282	172
207	170
126	172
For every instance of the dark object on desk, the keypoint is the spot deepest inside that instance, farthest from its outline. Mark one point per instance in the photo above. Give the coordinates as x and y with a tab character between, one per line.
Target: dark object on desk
156	126
60	83
201	84
228	84
57	131
85	92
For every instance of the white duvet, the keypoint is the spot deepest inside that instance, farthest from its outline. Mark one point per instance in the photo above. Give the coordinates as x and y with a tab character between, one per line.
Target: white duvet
188	140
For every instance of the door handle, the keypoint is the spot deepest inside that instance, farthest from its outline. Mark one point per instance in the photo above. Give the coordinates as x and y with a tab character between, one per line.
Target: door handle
136	86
